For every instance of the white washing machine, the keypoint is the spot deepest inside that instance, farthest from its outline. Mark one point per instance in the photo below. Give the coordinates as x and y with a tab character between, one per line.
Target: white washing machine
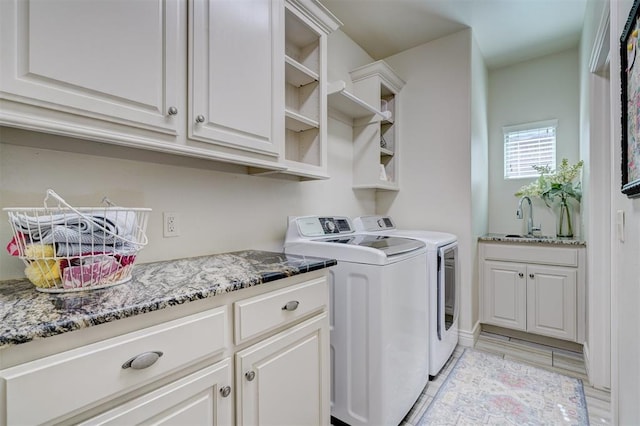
443	282
379	350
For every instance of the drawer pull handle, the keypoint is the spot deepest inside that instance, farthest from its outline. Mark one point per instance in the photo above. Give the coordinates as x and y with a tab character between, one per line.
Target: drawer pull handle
531	275
291	306
173	110
225	391
144	360
521	275
200	119
250	375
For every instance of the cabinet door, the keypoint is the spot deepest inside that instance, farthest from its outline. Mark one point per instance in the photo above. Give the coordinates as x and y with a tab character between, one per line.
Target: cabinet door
284	380
236	78
551	301
202	398
111	60
505	294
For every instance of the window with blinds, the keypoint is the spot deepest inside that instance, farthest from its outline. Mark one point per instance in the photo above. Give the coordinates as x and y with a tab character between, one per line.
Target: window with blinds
526	145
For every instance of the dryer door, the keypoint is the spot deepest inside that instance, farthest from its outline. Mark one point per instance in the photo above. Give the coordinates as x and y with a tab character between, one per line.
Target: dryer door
448	287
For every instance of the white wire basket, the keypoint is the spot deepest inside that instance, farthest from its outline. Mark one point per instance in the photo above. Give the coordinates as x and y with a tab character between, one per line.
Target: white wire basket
66	249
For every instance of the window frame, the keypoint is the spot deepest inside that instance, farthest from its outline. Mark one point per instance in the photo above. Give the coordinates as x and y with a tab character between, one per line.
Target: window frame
507	130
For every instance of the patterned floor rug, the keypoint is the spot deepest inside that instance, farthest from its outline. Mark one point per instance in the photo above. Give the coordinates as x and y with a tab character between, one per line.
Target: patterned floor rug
485	389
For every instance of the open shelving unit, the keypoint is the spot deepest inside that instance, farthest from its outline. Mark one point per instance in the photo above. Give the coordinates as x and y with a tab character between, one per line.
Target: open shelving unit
376	140
306	25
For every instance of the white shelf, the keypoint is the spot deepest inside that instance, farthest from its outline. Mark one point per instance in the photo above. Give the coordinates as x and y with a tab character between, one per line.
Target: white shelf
347	103
297	74
386	152
299	123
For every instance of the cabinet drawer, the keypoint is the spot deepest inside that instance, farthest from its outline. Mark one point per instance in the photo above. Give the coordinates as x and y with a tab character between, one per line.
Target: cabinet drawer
262	313
532	254
187	401
50	387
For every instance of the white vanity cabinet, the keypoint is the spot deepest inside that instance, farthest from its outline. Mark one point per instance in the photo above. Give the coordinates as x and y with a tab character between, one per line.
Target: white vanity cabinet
538	289
254	356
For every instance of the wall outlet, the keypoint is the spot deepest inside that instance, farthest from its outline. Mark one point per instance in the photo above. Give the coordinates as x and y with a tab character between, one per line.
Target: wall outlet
170	221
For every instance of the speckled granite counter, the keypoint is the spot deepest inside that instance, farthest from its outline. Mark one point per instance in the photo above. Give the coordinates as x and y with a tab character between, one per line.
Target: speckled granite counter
532	240
27	314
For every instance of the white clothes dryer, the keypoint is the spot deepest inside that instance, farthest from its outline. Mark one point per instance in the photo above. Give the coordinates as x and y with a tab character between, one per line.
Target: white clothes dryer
379	350
443	283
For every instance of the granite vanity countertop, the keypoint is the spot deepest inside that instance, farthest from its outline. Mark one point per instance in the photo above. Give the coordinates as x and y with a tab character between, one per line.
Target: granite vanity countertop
27	314
532	240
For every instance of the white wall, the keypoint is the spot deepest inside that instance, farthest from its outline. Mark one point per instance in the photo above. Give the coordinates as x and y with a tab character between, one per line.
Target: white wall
436	153
479	165
625	279
536	90
218	211
595	150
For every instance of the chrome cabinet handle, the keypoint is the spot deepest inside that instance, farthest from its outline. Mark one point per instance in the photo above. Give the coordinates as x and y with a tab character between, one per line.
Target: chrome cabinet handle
225	391
200	119
531	275
291	306
142	361
173	110
521	275
250	375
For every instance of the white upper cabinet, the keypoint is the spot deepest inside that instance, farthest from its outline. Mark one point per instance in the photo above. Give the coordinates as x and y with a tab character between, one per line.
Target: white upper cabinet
236	81
111	60
236	89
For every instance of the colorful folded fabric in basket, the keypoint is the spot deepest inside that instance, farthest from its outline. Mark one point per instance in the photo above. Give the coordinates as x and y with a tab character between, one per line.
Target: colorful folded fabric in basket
73	251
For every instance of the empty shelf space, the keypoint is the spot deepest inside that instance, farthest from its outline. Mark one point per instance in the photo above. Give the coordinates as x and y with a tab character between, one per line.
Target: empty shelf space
347	103
297	74
386	152
299	123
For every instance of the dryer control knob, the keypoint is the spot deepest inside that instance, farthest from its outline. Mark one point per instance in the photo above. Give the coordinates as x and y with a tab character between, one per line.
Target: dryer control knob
330	226
380	223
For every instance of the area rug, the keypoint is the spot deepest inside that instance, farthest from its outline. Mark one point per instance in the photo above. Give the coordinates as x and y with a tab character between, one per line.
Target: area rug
485	389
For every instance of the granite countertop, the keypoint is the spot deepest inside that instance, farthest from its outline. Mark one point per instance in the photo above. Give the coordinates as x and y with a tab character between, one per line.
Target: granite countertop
27	314
511	238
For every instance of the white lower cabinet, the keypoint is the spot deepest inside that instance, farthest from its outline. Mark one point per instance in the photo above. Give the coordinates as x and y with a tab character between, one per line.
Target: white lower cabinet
284	380
186	370
536	289
202	398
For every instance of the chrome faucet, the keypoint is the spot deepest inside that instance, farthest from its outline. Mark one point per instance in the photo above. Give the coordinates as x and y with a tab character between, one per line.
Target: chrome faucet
519	215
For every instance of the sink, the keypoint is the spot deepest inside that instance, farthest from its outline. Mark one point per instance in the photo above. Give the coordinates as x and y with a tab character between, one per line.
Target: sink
533	237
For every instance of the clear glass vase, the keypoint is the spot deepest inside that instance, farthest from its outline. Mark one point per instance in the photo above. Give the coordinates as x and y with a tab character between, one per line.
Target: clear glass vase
564	220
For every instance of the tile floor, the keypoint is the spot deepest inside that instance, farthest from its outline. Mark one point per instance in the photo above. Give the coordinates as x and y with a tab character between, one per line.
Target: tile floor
558	360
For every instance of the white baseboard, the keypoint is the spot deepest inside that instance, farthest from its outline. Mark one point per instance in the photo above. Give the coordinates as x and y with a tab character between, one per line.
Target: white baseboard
468	338
587	361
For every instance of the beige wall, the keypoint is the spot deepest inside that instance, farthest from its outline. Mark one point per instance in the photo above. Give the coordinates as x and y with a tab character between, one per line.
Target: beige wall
536	90
436	154
218	211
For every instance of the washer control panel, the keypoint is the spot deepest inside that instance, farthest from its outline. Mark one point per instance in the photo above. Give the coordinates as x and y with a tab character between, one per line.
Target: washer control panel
317	226
375	223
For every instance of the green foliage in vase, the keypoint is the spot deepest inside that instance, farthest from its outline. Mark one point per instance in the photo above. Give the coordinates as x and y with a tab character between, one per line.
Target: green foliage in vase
557	188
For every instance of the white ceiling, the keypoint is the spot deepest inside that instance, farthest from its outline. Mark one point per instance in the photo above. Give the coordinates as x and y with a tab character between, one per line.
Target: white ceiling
507	31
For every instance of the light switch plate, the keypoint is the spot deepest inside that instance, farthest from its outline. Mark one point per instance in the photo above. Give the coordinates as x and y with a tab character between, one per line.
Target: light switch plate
620	225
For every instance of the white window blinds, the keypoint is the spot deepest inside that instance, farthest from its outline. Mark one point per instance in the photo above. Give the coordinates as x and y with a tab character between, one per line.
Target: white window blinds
526	145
